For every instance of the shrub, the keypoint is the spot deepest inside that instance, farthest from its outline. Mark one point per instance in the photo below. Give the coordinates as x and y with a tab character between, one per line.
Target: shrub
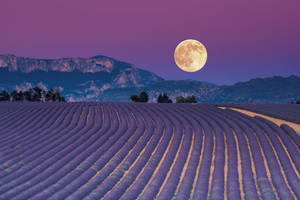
143	97
188	99
163	98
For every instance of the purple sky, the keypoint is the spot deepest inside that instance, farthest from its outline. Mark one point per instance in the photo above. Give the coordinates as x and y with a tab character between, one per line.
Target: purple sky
244	39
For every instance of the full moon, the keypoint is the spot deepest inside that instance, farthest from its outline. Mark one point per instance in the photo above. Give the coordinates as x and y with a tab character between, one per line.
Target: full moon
190	55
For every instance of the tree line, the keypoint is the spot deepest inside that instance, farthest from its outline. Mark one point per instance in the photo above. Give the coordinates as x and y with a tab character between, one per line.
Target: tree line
162	98
295	102
32	94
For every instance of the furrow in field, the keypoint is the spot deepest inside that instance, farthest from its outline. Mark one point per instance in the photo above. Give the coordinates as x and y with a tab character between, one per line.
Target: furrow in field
212	166
201	187
172	178
239	166
150	189
30	141
246	186
89	167
143	177
28	156
124	156
76	165
16	131
267	132
86	162
198	166
266	165
134	170
193	150
292	135
119	173
35	168
187	162
253	167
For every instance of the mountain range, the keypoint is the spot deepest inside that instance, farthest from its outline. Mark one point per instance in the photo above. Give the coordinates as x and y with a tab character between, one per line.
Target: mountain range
102	78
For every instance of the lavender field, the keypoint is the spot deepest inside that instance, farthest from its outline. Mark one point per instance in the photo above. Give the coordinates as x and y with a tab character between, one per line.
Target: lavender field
144	151
289	112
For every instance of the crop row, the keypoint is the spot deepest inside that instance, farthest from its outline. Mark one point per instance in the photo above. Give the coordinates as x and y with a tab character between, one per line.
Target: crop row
144	151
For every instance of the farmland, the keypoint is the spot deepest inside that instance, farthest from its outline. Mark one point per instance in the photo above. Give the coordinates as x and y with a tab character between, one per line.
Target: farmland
290	112
144	151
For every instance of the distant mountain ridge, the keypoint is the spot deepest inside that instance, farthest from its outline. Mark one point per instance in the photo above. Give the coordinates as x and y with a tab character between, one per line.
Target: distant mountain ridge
93	64
75	75
259	90
102	78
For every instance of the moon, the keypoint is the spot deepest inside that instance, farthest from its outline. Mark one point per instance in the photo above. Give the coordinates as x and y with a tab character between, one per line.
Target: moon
190	55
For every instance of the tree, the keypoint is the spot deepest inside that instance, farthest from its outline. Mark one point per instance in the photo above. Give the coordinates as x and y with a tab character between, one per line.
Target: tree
20	96
32	94
56	96
37	94
163	98
180	99
191	99
143	97
49	95
188	99
28	94
14	95
134	98
62	99
4	96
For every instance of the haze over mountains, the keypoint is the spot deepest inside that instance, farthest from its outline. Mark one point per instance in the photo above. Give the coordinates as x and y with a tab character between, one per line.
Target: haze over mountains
102	78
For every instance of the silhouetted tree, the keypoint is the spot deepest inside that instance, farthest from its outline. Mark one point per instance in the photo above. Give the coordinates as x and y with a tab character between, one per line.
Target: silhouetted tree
56	95
37	94
297	102
32	94
143	97
188	99
163	98
28	94
20	96
191	99
49	95
134	98
4	96
14	95
180	99
62	99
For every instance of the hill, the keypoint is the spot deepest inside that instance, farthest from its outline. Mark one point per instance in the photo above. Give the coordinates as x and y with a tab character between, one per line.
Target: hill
102	78
80	78
274	89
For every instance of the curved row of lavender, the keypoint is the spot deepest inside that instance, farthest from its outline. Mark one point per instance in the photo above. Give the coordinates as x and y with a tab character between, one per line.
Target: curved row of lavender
289	112
143	151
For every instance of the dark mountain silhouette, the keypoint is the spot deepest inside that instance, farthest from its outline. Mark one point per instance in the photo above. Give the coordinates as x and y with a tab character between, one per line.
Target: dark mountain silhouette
102	78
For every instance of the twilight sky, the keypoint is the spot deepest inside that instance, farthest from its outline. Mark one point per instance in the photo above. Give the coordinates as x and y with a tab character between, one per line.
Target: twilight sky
244	39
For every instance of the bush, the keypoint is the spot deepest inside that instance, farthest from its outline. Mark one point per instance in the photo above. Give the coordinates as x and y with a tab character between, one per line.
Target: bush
143	97
188	99
163	98
4	96
134	98
32	94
